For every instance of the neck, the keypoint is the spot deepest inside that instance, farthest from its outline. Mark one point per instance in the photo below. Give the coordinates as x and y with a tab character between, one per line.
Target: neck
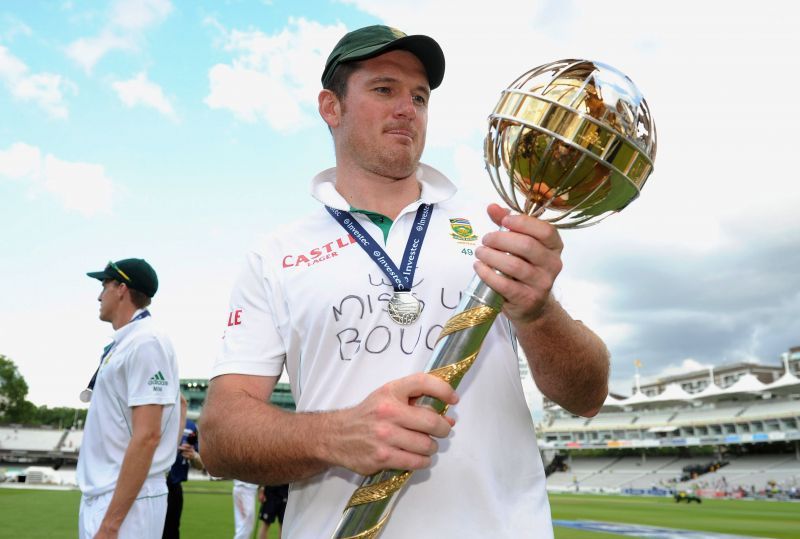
122	316
371	192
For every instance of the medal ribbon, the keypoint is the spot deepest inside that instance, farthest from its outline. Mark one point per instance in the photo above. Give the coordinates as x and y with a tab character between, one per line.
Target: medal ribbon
402	278
109	347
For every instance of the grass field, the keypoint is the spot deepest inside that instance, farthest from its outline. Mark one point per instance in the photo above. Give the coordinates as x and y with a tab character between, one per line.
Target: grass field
208	513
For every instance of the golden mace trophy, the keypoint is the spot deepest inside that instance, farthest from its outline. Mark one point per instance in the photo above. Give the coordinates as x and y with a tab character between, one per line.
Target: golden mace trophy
569	142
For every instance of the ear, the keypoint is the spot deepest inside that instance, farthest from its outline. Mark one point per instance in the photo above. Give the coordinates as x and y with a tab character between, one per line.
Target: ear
121	289
330	108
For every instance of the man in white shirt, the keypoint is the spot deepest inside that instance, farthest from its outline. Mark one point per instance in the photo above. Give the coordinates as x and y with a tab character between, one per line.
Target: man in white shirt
131	432
315	299
244	509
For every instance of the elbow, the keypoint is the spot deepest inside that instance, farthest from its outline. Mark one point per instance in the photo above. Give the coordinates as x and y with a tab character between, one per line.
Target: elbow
592	407
591	412
208	432
588	406
148	440
212	464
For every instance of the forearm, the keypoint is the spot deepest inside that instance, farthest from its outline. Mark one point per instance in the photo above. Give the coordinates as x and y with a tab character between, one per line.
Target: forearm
135	466
569	362
256	442
197	462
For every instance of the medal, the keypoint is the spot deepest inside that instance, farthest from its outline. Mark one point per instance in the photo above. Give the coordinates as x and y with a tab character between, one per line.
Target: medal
404	308
86	395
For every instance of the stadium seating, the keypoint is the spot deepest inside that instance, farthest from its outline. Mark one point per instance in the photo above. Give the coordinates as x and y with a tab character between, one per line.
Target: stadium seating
72	442
28	439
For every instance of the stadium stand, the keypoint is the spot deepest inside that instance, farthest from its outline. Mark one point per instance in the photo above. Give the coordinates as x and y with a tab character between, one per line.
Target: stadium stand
58	449
29	439
643	447
72	441
735	434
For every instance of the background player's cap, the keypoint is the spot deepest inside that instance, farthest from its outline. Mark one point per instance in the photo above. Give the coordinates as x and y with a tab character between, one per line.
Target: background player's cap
136	273
372	41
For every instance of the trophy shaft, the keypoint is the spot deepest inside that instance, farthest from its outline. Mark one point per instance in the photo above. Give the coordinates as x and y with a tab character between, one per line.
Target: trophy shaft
455	352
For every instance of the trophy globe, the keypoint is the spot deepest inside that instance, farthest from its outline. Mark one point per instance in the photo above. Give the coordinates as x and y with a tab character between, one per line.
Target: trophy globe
570	142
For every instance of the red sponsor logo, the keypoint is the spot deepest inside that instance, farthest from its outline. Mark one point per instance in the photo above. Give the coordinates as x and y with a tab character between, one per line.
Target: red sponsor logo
318	254
235	318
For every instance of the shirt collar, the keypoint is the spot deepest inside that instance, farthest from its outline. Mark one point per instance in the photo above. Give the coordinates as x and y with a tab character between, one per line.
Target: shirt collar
127	328
435	187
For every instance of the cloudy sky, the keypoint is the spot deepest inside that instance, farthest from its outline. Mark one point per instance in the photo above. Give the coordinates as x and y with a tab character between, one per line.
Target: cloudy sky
183	131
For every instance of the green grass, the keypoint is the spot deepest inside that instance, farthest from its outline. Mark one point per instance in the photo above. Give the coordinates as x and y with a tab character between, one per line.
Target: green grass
208	513
47	514
780	520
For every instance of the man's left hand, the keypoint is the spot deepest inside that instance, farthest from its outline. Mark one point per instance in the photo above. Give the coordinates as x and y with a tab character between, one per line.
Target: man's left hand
529	256
187	451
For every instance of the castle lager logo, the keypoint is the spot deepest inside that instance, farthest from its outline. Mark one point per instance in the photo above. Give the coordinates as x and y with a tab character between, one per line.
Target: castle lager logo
318	254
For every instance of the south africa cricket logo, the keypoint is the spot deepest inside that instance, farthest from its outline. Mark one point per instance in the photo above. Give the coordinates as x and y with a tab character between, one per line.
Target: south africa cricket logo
462	230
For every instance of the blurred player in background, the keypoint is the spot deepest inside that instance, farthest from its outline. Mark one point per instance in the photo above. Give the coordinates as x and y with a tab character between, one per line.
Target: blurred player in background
188	455
244	509
273	506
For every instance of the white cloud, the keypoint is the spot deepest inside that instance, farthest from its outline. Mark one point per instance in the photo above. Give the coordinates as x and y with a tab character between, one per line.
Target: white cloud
274	78
141	91
80	187
45	89
87	51
20	161
139	15
13	28
124	30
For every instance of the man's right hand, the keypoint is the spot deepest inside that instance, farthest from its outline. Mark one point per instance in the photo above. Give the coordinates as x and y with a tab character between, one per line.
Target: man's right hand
386	431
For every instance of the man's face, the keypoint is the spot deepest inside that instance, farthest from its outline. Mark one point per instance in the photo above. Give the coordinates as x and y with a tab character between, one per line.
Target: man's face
109	299
384	115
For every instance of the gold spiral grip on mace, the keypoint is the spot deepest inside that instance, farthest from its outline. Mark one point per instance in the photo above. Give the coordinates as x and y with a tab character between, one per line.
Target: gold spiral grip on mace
456	349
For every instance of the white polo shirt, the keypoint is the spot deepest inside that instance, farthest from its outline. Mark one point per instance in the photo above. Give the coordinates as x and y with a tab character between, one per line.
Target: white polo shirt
312	301
139	369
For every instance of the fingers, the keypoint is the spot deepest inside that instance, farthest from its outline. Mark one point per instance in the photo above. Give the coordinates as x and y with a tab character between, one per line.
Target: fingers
417	385
497	213
528	255
386	431
415	418
542	231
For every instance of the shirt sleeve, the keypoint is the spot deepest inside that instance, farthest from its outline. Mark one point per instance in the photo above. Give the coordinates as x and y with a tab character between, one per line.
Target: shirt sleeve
150	374
252	343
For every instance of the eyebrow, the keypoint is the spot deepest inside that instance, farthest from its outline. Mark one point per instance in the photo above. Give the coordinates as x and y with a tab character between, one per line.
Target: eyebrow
421	88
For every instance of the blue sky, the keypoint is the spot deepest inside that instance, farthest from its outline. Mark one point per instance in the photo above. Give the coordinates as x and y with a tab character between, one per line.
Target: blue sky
183	131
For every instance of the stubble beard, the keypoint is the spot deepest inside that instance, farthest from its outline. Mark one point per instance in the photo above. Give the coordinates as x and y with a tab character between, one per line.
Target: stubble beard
397	163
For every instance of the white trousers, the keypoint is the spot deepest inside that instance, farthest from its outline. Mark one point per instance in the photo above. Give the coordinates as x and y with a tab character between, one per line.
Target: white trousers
244	509
145	520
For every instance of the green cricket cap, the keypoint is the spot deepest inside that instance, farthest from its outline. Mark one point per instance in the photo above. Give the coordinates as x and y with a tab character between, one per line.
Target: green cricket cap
372	41
136	273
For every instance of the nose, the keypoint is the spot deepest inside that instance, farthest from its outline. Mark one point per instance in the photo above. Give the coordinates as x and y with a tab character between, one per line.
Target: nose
405	107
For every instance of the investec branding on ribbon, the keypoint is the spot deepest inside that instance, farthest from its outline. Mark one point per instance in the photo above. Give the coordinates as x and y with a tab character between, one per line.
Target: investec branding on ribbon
318	254
412	255
354	232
